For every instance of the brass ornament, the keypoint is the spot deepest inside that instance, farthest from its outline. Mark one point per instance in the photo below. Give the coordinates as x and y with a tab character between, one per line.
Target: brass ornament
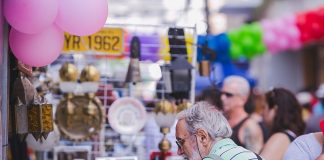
164	145
90	74
204	68
184	105
165	107
40	120
68	72
81	121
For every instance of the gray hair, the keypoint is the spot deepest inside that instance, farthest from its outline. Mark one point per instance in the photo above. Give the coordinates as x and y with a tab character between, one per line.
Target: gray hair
205	116
242	83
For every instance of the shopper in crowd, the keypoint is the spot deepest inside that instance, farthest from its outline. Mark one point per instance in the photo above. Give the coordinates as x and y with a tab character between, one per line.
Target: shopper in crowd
254	107
306	147
211	95
246	132
305	99
312	123
284	119
202	132
319	106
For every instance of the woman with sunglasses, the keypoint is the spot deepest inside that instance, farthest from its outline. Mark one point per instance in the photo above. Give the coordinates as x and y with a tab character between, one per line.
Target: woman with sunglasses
283	117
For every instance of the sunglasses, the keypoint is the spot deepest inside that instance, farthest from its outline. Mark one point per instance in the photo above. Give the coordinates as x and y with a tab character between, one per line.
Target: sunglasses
227	94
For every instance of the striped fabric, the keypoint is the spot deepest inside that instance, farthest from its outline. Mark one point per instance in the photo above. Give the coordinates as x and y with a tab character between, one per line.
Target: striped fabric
226	149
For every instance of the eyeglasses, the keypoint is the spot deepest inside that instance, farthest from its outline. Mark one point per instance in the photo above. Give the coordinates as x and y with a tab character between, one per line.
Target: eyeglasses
180	142
227	94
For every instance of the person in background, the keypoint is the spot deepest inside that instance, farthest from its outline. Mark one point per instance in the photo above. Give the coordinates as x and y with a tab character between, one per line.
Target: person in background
306	147
283	116
202	132
318	108
312	124
254	107
246	132
304	99
313	121
211	95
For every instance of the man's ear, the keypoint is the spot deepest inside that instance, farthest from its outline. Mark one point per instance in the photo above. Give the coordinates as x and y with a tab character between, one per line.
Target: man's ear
203	136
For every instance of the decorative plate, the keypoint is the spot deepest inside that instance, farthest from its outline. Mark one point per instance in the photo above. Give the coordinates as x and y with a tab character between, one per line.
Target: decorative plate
127	115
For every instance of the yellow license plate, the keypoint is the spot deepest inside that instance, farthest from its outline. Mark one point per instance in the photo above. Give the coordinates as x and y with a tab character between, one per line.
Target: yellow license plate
107	40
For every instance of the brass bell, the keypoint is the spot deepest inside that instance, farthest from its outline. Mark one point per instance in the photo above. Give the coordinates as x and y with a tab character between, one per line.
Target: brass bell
68	72
90	74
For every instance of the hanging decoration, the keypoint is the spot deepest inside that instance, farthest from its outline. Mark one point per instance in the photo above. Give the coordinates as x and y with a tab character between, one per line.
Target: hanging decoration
289	32
32	113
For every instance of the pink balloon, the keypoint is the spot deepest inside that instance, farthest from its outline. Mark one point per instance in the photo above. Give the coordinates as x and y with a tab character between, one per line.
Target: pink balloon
293	32
279	25
82	17
269	37
30	16
283	43
290	19
296	45
38	49
266	24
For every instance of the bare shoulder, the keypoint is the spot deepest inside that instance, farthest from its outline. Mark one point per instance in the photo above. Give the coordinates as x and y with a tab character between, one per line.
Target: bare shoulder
279	138
277	143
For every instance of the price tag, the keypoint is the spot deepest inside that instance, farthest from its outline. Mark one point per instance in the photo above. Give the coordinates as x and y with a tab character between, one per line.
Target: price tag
107	40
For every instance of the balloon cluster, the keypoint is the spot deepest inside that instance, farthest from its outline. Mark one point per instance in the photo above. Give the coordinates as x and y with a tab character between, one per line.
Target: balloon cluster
289	32
281	34
246	41
38	29
311	25
219	44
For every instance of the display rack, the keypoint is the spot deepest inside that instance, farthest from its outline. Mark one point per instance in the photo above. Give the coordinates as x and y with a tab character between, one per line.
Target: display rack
108	141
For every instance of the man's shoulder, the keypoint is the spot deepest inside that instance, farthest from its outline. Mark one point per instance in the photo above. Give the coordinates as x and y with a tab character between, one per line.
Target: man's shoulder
226	149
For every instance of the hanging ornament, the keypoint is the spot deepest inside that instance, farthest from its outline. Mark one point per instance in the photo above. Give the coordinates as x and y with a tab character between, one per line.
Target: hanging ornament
40	118
82	122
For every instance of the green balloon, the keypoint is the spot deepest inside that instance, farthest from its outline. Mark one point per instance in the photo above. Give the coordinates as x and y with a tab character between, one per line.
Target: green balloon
260	49
234	36
256	31
235	52
247	43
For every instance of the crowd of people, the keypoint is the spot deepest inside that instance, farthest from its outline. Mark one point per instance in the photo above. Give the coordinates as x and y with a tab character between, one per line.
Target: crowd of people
235	123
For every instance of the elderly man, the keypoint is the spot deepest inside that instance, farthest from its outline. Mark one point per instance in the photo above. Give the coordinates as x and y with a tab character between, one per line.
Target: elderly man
202	132
246	132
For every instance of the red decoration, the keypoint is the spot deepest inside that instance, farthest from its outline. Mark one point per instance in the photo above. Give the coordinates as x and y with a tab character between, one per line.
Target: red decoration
322	125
